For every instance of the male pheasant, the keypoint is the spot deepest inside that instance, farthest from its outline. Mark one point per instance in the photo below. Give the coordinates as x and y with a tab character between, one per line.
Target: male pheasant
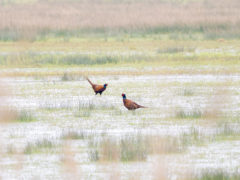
98	88
130	105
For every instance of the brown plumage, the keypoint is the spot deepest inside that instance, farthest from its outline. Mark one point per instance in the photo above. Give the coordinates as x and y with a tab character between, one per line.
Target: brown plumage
130	105
97	88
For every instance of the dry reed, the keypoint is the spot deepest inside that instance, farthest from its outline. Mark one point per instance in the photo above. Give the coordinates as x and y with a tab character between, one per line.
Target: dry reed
31	18
71	169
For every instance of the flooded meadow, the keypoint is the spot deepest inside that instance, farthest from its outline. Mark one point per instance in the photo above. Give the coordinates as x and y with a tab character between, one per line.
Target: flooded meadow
191	126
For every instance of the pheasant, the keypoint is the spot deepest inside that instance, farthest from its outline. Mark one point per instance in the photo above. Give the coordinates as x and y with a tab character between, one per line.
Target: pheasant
98	88
130	105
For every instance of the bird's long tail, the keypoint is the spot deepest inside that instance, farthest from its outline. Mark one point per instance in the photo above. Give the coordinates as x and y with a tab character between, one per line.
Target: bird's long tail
142	106
89	81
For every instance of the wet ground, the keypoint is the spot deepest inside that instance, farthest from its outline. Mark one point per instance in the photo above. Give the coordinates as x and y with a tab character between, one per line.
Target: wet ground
60	106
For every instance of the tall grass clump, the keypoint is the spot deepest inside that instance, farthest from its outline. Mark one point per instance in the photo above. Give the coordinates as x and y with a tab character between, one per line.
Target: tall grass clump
109	150
25	116
134	149
193	114
67	77
83	113
194	137
93	152
90	105
165	145
127	149
217	175
75	135
93	155
175	49
40	146
187	92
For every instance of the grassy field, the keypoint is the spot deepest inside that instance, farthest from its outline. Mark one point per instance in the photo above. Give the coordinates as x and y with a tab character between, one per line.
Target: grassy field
180	58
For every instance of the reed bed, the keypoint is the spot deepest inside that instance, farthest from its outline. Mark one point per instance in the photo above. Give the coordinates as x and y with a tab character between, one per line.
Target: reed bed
33	21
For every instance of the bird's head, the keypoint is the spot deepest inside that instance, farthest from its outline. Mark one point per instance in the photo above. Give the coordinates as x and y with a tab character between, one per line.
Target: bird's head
124	96
105	85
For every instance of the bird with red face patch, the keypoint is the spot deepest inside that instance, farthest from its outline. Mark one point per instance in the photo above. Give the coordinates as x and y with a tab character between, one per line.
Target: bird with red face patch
130	105
97	88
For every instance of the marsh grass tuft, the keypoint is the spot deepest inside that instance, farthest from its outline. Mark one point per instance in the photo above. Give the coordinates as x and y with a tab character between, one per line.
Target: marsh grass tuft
109	150
127	149
228	130
192	138
187	92
93	155
25	116
83	113
90	105
134	149
74	135
86	108
11	149
40	146
164	145
193	114
175	49
67	77
217	175
117	112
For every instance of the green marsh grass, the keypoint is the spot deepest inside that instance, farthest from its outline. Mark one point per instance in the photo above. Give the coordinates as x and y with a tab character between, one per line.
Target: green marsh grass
226	131
93	151
128	149
83	113
191	114
90	106
93	155
11	149
217	175
74	135
187	92
67	77
25	116
175	49
133	148
56	106
40	146
194	137
65	59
